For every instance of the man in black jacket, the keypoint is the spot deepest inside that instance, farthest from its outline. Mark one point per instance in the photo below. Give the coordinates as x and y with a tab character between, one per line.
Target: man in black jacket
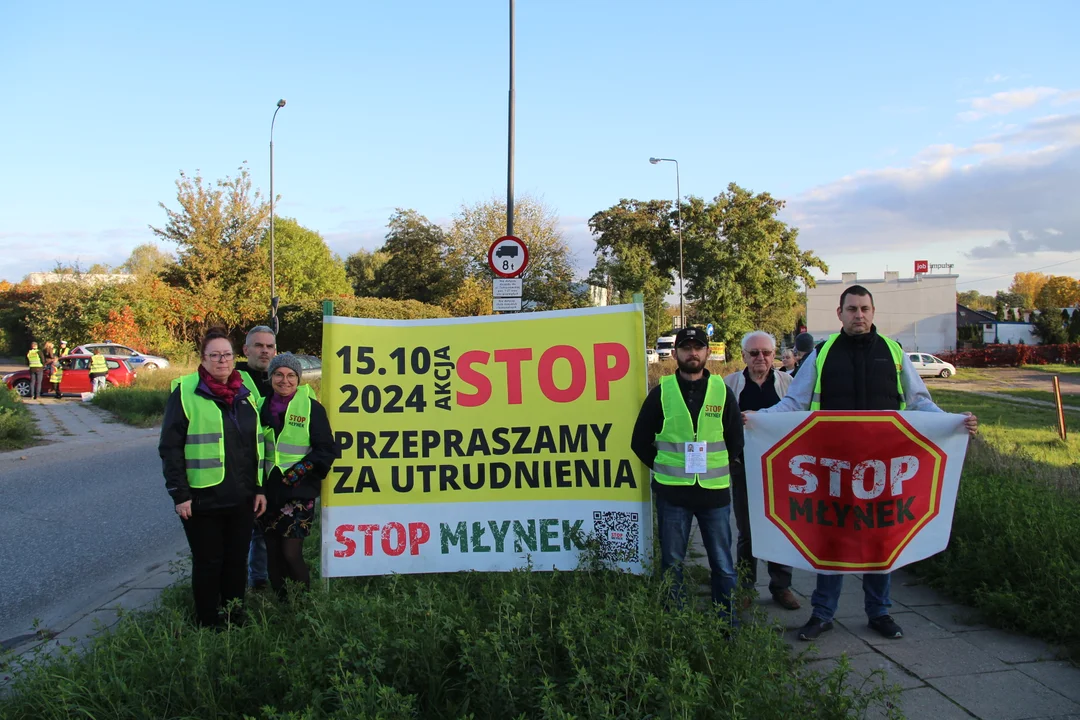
681	493
260	347
859	371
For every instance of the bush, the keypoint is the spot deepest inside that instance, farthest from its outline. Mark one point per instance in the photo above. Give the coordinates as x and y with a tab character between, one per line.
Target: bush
141	407
17	426
301	324
484	645
1014	355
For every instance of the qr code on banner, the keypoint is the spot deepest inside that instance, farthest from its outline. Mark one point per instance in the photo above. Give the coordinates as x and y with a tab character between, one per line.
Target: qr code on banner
617	533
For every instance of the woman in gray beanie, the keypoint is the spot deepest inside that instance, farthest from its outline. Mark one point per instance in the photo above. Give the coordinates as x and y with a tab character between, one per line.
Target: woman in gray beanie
298	452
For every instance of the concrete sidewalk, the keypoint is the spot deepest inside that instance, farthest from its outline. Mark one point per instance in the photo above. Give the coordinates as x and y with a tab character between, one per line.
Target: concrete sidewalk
948	665
70	421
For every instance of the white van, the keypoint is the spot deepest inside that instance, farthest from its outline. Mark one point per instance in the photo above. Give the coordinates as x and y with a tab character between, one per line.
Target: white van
665	346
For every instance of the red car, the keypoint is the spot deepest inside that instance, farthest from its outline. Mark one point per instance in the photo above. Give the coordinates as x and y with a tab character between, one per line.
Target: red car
76	378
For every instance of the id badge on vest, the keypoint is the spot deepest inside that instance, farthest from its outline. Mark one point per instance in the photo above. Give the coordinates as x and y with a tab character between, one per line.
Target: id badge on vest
694	455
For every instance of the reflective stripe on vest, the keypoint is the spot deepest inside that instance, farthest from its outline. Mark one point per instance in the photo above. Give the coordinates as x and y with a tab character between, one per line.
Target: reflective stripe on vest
97	364
895	350
34	358
204	446
669	468
293	443
58	374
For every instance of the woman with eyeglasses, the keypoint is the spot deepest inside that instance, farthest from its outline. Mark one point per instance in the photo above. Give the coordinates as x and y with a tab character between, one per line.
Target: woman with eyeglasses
299	450
211	452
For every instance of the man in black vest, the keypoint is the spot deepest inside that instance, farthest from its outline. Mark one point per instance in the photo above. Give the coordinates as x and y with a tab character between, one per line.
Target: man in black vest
858	369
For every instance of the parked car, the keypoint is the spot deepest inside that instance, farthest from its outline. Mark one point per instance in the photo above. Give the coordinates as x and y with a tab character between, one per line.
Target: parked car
651	356
76	378
138	360
930	366
665	346
311	365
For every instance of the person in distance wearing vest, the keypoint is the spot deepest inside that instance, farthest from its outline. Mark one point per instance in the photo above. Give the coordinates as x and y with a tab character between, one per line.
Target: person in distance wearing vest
686	430
99	370
260	347
298	451
211	451
37	370
757	386
857	369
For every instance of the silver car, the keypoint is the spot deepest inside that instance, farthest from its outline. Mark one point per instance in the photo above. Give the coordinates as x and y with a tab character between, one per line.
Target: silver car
136	359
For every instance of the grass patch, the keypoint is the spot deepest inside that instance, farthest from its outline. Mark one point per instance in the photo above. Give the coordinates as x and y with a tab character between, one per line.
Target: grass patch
1044	395
142	404
1015	546
588	643
1055	369
17	426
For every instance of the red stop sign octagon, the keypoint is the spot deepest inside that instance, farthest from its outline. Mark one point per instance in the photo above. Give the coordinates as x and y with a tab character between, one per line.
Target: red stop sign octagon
851	489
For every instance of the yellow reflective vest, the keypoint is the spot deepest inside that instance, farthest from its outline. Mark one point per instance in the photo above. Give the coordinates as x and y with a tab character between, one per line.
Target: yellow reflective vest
249	383
669	468
34	358
293	443
204	447
895	350
97	365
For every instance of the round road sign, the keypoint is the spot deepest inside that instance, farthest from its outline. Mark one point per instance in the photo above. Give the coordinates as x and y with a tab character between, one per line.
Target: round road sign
508	257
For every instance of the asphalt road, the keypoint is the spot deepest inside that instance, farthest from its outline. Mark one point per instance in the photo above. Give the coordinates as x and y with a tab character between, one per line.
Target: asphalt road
75	521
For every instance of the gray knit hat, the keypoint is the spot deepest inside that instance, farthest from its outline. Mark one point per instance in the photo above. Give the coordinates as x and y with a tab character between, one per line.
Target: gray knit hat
804	343
286	360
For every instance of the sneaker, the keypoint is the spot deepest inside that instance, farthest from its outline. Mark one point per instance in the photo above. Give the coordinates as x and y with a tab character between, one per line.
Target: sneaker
786	599
814	627
886	627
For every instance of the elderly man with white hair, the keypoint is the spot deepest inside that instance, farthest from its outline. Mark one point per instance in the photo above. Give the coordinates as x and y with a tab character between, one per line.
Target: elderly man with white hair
756	387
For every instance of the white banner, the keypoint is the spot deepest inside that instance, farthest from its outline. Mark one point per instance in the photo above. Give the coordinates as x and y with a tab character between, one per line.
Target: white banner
850	492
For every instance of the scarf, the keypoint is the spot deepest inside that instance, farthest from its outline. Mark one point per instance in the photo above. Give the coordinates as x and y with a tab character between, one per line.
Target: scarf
278	405
227	390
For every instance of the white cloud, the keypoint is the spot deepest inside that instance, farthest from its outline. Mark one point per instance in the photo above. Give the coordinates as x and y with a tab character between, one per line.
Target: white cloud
1015	197
996	78
1003	103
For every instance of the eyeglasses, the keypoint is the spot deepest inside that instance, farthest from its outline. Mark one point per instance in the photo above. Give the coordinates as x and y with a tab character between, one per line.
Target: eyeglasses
219	357
287	377
756	353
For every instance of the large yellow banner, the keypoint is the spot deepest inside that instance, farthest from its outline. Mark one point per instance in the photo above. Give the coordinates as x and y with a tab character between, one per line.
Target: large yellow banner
497	421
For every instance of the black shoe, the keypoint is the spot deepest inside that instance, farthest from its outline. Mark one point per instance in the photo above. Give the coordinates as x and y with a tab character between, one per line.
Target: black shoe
814	627
886	627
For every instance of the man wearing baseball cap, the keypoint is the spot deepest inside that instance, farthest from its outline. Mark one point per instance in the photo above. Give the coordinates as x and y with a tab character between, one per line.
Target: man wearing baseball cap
804	345
688	428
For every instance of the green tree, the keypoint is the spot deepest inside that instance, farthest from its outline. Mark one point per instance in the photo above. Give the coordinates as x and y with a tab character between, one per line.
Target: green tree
148	259
1060	291
217	230
305	267
361	268
1010	300
637	251
976	300
1048	326
99	269
548	281
744	267
1074	326
418	265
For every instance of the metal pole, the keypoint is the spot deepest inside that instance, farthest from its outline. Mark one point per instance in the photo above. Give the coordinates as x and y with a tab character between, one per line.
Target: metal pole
678	204
510	138
273	286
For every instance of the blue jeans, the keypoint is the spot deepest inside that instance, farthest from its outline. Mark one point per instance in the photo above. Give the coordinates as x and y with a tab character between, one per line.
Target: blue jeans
674	523
256	557
875	595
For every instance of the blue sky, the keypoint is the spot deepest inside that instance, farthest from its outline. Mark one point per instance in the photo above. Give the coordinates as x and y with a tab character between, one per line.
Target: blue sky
940	131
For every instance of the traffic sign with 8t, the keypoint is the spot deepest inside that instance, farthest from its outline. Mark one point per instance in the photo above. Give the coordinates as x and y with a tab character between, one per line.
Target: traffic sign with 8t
847	508
508	256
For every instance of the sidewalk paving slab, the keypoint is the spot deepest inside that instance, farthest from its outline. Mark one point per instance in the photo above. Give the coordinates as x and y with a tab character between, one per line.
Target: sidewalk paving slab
1008	695
1062	677
1010	647
941	658
926	702
954	618
915	627
864	665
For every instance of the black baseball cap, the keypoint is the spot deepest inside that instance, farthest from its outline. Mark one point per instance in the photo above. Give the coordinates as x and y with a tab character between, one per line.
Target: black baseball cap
691	335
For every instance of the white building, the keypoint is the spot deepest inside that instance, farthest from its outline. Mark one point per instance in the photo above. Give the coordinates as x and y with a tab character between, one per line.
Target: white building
918	312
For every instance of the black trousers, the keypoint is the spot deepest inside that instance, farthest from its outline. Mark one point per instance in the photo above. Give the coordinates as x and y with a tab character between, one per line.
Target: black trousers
219	549
746	563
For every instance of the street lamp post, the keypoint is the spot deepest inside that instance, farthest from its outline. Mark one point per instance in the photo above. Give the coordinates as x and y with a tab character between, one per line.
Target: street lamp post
273	286
678	204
